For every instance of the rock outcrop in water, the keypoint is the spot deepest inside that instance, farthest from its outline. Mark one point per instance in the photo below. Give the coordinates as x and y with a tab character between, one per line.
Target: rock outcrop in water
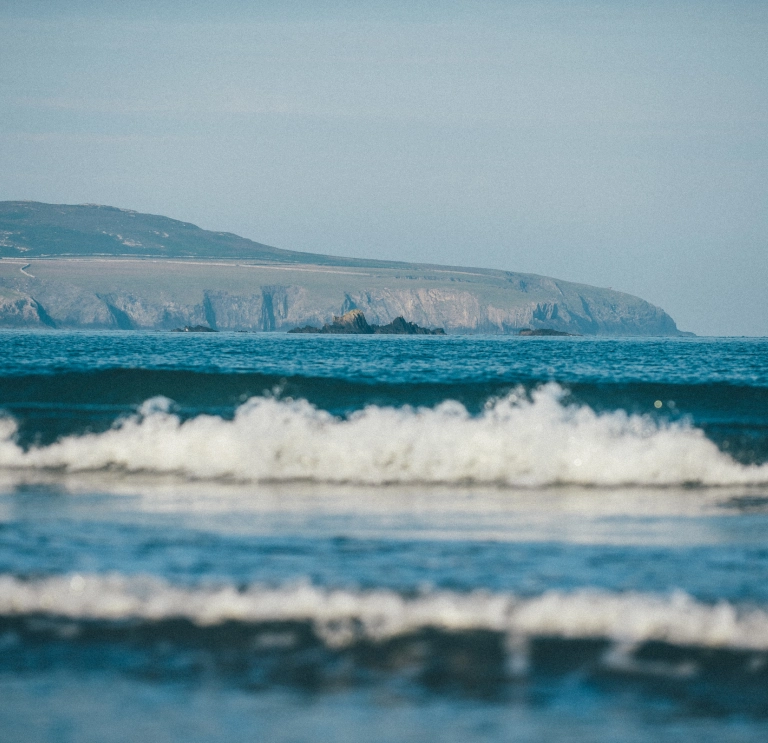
542	332
354	323
100	267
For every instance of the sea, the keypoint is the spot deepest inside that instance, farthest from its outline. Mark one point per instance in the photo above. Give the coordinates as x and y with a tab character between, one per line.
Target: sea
273	537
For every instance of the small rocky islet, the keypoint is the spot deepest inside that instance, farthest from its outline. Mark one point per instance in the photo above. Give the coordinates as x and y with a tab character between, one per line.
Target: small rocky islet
354	323
544	332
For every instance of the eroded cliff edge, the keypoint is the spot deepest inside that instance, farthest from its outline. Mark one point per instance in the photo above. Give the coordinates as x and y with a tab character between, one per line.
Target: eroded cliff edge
47	281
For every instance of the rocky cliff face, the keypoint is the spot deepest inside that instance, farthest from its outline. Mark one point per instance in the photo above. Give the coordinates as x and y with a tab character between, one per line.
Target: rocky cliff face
20	311
464	311
33	301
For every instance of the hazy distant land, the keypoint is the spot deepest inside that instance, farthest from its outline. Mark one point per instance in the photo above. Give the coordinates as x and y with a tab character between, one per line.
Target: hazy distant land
105	268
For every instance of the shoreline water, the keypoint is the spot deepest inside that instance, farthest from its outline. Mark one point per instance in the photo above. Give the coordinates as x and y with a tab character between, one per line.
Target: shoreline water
249	529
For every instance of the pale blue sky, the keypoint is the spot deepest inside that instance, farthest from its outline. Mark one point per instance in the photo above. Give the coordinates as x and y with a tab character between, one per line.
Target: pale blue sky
615	144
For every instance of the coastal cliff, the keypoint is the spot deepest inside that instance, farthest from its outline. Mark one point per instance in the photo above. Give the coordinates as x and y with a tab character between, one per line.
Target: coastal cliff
61	267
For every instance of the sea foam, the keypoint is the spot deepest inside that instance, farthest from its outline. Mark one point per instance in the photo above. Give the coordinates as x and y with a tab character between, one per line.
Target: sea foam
518	440
342	617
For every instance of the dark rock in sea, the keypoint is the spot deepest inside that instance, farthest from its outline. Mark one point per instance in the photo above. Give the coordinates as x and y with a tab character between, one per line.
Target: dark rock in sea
401	326
193	329
542	331
354	323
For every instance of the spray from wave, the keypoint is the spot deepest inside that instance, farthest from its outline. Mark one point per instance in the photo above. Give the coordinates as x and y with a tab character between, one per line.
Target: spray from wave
519	440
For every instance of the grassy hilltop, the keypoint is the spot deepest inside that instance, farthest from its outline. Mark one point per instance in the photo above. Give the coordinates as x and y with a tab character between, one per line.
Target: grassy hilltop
100	267
33	230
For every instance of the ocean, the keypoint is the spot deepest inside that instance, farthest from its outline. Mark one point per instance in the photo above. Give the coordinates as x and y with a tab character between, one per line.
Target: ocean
273	537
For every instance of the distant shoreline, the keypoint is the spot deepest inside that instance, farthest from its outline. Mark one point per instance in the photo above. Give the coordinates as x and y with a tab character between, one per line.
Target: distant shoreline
108	268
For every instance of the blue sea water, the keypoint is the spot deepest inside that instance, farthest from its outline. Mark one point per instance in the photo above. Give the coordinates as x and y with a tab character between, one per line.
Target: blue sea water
305	538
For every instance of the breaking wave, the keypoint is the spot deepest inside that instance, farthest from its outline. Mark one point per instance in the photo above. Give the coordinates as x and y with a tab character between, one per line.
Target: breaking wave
343	617
518	440
304	636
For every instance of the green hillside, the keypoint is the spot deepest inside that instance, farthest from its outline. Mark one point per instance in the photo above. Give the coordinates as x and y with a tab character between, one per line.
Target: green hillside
31	229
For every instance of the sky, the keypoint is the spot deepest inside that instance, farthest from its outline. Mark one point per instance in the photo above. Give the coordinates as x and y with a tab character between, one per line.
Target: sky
616	144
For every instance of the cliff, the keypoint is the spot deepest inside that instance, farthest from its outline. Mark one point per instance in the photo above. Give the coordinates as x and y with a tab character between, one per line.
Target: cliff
100	267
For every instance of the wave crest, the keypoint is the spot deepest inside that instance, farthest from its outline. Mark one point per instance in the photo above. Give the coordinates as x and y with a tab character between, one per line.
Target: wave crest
342	617
516	441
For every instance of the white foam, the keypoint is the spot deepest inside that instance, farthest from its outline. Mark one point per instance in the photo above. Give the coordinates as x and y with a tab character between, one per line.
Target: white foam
515	442
342	616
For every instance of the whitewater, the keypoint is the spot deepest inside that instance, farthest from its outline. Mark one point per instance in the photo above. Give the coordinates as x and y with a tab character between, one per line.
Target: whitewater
515	441
343	617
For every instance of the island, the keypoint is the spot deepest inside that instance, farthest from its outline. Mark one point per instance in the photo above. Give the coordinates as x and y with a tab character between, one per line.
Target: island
354	323
90	267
